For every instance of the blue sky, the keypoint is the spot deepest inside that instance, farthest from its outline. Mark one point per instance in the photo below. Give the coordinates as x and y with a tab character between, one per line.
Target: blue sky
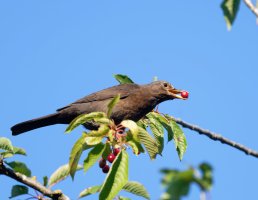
54	52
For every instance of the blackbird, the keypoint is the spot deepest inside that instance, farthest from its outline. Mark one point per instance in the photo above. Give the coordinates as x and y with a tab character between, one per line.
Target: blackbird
135	102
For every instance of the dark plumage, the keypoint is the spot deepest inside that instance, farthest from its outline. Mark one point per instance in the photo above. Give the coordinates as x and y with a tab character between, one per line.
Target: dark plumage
135	102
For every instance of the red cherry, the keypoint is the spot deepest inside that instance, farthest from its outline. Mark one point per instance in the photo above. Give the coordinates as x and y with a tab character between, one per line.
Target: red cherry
105	169
184	94
102	163
116	151
111	157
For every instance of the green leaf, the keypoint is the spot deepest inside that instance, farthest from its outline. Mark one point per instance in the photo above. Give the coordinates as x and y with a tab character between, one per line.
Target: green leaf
137	189
95	137
205	182
76	152
112	104
122	79
177	184
93	156
106	151
45	181
149	143
165	123
6	144
116	178
18	190
60	174
134	144
6	154
143	123
123	198
89	191
132	126
230	10
157	130
20	151
81	119
179	139
19	167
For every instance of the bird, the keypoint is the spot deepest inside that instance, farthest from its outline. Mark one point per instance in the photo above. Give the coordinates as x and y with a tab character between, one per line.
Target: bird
135	102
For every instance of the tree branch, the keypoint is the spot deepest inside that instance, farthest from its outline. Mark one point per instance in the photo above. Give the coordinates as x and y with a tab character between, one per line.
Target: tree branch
55	195
215	136
252	7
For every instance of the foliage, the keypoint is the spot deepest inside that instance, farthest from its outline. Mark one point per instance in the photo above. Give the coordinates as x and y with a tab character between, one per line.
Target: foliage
177	183
102	142
230	9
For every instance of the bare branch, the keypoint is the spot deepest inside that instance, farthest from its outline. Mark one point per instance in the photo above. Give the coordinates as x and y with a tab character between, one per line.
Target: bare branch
215	136
55	195
252	7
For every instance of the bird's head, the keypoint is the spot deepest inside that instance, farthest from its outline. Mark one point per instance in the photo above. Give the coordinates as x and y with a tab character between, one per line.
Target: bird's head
165	91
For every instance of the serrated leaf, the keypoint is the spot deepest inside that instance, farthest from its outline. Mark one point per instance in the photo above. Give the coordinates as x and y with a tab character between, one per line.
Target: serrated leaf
81	119
177	184
157	130
205	182
122	79
19	167
93	156
137	189
20	151
6	144
60	174
132	126
165	123
45	181
143	123
18	190
149	143
230	10
6	154
95	137
75	154
116	178
89	191
179	139
123	198
112	104
135	145
107	150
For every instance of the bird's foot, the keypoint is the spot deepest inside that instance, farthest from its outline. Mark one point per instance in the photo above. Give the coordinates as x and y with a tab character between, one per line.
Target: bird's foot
156	110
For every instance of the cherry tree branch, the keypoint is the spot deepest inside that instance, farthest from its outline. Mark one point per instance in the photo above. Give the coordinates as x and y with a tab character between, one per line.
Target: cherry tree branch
55	195
217	137
252	7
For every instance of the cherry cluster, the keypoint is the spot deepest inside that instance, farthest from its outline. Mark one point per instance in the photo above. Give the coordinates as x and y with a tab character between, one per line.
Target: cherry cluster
110	158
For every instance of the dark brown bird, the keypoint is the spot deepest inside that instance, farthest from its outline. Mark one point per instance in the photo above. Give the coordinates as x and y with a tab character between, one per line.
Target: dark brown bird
135	102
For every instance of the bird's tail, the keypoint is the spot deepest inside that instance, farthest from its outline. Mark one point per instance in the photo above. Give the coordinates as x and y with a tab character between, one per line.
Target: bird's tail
35	123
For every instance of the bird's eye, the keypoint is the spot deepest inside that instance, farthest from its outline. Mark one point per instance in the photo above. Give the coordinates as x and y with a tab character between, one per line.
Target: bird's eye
165	84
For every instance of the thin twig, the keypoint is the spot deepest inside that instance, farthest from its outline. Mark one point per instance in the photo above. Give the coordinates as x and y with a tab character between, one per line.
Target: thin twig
215	136
251	6
55	195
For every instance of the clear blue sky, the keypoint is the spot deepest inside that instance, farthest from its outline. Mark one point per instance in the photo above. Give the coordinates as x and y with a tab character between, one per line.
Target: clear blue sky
54	52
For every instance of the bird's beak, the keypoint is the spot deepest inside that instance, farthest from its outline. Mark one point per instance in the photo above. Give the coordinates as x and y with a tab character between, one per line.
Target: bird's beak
175	93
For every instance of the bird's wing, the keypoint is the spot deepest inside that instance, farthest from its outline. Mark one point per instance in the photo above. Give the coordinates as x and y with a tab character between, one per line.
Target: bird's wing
123	89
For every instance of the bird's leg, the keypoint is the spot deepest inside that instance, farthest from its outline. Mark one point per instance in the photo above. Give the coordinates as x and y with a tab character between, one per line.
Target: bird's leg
156	110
